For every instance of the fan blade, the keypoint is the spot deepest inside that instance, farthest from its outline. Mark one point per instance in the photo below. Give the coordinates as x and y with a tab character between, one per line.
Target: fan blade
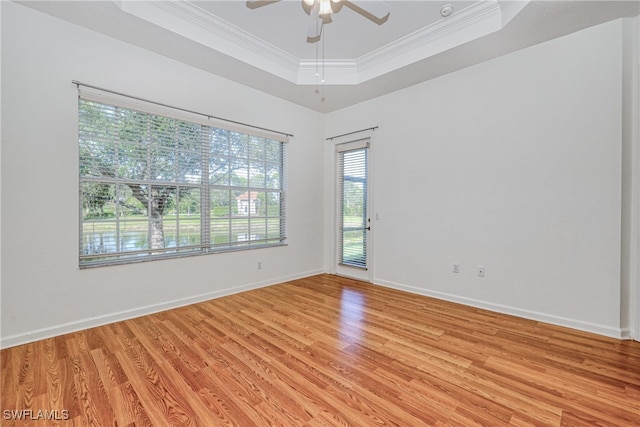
375	11
314	29
254	4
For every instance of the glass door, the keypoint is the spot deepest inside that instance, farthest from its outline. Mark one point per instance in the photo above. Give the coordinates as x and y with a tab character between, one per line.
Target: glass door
353	210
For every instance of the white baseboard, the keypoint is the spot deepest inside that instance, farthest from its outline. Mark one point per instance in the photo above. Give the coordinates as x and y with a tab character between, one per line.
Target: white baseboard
499	308
627	334
65	328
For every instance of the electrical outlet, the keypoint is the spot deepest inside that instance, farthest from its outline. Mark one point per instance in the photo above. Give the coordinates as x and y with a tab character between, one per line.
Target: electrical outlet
480	270
456	267
259	265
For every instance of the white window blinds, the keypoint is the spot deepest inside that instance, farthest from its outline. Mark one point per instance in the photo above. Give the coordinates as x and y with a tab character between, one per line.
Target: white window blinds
157	183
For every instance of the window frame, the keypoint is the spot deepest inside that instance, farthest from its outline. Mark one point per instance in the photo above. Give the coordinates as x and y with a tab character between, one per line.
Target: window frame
272	193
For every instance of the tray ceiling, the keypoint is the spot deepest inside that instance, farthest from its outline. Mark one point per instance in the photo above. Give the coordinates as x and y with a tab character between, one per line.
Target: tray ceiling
266	48
352	50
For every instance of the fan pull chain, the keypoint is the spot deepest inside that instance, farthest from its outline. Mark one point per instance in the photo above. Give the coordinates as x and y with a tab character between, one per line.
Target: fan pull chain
320	69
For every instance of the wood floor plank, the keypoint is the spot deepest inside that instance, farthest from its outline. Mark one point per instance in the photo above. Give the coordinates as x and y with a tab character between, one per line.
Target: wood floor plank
161	398
325	351
225	391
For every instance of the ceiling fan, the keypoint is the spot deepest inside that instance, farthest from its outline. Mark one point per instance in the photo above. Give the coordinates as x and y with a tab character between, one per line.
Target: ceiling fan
320	11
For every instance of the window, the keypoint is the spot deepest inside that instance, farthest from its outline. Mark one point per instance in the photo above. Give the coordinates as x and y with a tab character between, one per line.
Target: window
156	186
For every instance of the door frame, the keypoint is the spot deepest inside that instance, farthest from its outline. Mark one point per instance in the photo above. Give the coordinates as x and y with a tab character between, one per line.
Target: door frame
353	142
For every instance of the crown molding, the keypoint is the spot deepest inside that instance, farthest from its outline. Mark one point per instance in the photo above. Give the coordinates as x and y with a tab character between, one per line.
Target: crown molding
473	22
192	22
310	72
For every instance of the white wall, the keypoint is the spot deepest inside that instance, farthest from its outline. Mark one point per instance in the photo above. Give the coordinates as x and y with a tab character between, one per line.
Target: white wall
43	291
513	164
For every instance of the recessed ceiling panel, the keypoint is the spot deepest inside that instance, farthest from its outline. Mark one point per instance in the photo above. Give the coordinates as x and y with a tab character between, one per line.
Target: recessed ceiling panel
273	37
350	35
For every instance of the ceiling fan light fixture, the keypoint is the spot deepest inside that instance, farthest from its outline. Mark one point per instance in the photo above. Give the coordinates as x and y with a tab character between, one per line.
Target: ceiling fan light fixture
320	12
325	7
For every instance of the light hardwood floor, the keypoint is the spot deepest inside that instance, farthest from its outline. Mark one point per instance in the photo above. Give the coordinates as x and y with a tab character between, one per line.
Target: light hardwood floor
324	351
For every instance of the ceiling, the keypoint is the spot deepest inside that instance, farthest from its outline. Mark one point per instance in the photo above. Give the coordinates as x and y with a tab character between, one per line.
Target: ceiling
266	48
349	36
